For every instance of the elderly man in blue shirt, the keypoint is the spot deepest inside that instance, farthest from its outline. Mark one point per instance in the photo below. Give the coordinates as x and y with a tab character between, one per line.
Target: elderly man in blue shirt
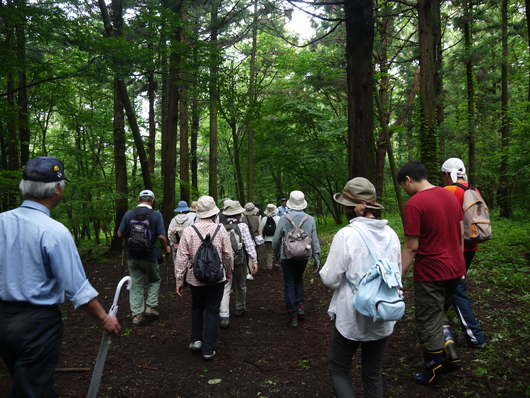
39	265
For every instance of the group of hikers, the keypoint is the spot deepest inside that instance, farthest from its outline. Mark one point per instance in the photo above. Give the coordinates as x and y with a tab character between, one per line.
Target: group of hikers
40	264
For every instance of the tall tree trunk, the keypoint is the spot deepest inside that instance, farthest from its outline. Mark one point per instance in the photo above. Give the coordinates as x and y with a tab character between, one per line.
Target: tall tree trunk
428	139
184	129
252	104
120	160
471	164
131	116
527	12
23	121
214	67
503	193
151	93
359	46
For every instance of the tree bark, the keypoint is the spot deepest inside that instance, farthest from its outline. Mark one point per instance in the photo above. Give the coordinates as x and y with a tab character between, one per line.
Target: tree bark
252	104
471	164
359	46
429	138
214	60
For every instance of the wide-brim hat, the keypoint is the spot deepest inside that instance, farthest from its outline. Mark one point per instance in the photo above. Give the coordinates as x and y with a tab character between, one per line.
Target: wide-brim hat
232	208
206	207
271	210
44	169
296	201
250	209
358	191
193	206
182	206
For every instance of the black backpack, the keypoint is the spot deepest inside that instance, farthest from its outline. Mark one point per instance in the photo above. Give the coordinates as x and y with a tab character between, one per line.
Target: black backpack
140	236
270	227
238	247
207	263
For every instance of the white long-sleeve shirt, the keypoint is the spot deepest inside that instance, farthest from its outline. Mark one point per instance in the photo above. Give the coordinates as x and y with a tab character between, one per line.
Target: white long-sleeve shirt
349	258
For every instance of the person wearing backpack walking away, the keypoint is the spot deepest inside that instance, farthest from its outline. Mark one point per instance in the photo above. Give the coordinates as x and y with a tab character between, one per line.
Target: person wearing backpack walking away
205	297
144	263
282	208
433	229
242	247
269	224
293	268
349	260
39	266
252	218
177	225
454	172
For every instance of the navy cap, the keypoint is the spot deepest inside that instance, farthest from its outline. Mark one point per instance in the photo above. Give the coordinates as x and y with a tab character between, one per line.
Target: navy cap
44	169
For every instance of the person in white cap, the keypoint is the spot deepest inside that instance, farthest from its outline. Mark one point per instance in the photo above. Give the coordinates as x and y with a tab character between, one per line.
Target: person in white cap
206	298
454	172
145	265
293	270
349	260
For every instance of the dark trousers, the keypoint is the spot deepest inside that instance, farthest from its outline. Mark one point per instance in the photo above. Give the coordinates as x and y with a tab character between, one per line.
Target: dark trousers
341	353
205	302
30	341
293	276
431	301
464	310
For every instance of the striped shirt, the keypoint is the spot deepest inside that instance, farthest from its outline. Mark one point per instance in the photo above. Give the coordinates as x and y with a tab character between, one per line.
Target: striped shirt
190	243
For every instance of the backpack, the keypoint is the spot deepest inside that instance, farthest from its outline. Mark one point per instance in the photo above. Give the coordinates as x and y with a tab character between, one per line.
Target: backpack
140	236
297	242
238	249
377	295
179	228
207	263
270	227
477	226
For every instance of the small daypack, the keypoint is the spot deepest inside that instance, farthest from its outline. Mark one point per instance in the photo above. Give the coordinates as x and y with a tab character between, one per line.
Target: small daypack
206	264
297	242
238	248
377	295
270	227
140	236
477	226
179	228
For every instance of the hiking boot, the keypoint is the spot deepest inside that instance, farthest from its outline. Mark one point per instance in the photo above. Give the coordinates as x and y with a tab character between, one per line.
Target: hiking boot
240	311
293	321
196	345
301	311
431	376
138	319
224	323
209	357
452	360
150	311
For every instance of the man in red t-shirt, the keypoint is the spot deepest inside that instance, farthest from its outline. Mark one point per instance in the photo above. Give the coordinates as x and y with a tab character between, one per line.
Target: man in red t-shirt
454	172
433	230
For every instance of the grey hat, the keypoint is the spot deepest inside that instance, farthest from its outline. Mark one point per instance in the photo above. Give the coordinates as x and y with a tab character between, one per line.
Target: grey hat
358	191
250	209
296	201
146	192
232	208
206	207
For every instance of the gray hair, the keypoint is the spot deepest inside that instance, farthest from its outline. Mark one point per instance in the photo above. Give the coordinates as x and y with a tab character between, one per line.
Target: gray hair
146	199
39	190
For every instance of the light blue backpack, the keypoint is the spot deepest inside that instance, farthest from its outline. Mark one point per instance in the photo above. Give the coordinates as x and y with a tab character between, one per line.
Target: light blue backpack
377	295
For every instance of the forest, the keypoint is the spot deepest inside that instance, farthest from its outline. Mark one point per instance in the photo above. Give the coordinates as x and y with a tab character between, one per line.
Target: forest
226	98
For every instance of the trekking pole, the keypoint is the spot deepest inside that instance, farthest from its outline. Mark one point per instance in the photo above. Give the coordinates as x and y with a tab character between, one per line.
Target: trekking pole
167	285
105	342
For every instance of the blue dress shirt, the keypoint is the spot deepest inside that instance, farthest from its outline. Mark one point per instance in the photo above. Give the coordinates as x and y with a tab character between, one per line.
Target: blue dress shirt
39	261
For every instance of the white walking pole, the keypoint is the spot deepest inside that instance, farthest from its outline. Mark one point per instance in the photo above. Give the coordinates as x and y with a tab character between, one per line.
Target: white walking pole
105	342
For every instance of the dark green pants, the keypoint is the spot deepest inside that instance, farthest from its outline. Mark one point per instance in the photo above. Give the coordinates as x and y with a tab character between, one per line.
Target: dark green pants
431	301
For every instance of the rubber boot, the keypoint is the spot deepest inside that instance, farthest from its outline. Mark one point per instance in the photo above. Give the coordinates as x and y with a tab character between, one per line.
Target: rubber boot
432	374
452	360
